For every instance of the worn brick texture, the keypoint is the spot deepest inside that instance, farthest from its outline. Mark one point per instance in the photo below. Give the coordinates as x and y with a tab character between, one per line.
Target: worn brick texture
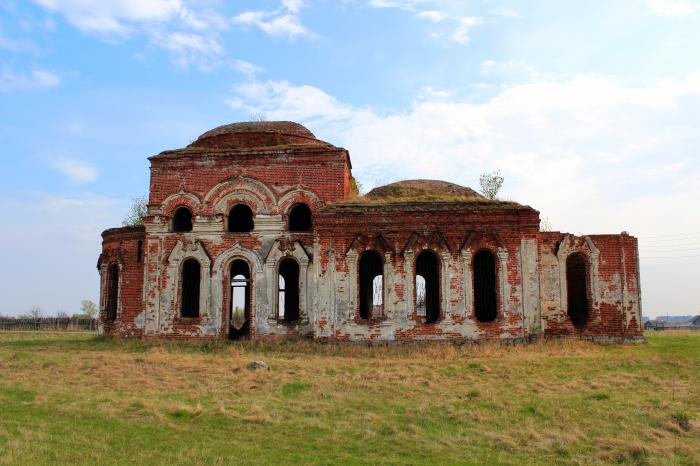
272	167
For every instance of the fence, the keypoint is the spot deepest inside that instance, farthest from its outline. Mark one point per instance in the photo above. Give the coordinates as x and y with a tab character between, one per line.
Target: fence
48	323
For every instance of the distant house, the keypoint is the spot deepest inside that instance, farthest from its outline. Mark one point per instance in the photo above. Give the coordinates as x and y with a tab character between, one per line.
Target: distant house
672	325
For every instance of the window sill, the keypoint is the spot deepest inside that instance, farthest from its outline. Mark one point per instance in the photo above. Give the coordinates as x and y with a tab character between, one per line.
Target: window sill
187	320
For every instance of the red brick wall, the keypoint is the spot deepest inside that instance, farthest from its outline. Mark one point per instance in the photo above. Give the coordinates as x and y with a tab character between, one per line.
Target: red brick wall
121	246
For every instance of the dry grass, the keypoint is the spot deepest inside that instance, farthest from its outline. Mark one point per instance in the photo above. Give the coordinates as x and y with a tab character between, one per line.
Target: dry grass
78	399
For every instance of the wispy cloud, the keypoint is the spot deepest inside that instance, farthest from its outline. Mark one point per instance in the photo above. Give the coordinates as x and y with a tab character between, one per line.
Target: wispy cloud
189	32
435	16
673	8
191	49
284	22
76	171
461	34
35	80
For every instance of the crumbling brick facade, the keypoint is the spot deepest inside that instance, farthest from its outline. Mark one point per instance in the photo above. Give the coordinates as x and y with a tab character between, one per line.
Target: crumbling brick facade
255	231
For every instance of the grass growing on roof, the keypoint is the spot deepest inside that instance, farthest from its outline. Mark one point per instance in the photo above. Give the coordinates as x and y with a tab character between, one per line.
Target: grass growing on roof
75	398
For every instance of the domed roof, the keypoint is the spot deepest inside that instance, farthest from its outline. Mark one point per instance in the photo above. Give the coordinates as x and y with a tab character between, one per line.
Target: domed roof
254	134
423	190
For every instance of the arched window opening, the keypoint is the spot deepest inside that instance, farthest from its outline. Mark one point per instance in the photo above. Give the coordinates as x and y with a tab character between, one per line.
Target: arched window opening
288	295
240	219
577	289
239	311
112	292
300	218
428	286
485	297
371	285
191	274
139	251
182	220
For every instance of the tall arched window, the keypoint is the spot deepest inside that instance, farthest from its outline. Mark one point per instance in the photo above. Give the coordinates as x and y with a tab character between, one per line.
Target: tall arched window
240	219
428	286
112	292
191	274
239	310
288	292
371	285
300	218
577	289
485	297
182	220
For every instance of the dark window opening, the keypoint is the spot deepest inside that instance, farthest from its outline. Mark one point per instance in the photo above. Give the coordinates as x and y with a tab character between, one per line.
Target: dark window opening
428	286
485	297
182	220
240	219
139	251
239	310
191	274
577	289
113	292
300	218
288	295
371	285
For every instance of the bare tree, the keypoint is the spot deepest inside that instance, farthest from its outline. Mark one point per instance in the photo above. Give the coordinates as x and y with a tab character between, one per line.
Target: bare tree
546	225
491	183
62	315
35	313
88	308
137	212
257	116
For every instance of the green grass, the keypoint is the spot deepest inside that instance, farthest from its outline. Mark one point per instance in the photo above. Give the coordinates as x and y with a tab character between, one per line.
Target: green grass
75	398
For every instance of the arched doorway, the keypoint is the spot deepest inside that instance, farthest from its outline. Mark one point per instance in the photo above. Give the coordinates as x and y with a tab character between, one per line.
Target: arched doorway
239	308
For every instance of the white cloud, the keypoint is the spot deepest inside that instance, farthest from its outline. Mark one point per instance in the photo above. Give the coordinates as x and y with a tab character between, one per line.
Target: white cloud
673	8
283	22
190	33
76	171
115	16
246	68
36	80
189	48
461	34
594	154
435	16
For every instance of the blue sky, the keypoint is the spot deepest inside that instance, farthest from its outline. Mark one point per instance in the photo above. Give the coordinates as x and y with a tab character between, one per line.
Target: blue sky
590	108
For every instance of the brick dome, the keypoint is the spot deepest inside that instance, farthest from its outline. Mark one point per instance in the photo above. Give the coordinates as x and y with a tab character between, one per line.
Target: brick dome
423	190
255	134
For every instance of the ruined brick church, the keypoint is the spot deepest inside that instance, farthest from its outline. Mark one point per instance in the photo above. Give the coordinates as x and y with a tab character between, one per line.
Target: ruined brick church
257	231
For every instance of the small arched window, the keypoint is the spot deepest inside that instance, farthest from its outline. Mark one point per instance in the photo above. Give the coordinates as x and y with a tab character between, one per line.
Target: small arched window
288	293
112	292
191	274
485	302
240	219
371	285
577	289
300	218
427	284
182	220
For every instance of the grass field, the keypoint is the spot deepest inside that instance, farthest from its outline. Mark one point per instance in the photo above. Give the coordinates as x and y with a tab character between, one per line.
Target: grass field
75	398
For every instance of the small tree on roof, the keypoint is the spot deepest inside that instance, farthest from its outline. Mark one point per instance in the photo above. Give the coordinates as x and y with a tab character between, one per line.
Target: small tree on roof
137	212
491	183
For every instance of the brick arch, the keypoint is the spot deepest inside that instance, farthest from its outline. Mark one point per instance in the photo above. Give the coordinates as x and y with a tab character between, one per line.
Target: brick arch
583	245
256	194
182	199
299	195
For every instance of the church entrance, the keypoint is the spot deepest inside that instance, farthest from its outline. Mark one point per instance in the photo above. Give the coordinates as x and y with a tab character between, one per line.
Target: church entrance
239	309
